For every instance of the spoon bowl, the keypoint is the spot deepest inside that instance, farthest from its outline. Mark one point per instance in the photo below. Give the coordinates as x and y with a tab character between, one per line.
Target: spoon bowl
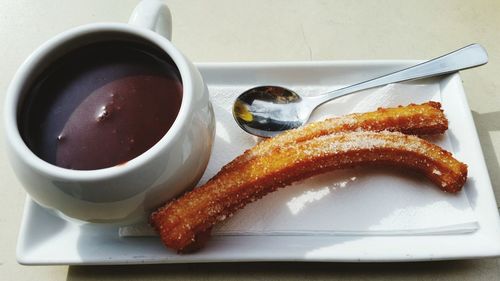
266	111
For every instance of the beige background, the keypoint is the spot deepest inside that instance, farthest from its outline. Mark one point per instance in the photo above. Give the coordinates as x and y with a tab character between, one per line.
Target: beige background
265	30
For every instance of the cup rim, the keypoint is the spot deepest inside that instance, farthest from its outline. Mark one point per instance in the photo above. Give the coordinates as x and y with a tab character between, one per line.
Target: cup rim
11	107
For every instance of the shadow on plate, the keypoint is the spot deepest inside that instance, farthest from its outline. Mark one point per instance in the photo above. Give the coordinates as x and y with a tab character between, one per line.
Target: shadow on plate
486	123
46	225
486	269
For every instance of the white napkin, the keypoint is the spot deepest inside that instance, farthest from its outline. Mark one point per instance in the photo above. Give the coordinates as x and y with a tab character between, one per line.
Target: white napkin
364	201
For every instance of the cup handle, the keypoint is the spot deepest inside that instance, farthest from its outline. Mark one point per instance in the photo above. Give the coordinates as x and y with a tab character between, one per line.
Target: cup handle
153	15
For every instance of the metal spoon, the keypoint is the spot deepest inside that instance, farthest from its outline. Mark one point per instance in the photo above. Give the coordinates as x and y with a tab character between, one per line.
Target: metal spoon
269	110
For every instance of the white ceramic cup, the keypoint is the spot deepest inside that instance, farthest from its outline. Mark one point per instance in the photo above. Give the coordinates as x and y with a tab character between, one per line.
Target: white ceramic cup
125	193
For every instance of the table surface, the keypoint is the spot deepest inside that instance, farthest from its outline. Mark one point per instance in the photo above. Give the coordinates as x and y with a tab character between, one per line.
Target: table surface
280	30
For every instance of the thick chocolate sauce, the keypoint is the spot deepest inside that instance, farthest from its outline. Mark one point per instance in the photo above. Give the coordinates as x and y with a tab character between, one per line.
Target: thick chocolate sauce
101	105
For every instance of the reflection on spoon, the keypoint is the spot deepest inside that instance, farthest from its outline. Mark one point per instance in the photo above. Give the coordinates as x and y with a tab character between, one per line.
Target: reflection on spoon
267	108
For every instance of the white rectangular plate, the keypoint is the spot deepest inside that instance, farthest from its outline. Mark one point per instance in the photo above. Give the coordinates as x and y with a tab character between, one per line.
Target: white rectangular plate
47	239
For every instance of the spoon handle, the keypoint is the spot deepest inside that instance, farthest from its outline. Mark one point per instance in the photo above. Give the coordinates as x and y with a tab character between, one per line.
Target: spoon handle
469	56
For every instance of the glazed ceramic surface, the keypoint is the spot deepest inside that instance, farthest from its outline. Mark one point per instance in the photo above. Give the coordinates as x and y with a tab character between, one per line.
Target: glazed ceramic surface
129	192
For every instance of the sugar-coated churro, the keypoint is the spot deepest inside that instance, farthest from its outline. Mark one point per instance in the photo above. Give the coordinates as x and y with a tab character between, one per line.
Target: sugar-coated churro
185	223
415	119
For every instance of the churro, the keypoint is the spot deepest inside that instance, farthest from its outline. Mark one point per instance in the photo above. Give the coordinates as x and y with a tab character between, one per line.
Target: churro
185	223
415	119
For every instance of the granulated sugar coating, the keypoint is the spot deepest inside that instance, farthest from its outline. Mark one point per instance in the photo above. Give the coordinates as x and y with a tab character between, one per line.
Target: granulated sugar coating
423	119
186	223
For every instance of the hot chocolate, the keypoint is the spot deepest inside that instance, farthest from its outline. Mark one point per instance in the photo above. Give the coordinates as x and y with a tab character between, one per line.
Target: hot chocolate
101	105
